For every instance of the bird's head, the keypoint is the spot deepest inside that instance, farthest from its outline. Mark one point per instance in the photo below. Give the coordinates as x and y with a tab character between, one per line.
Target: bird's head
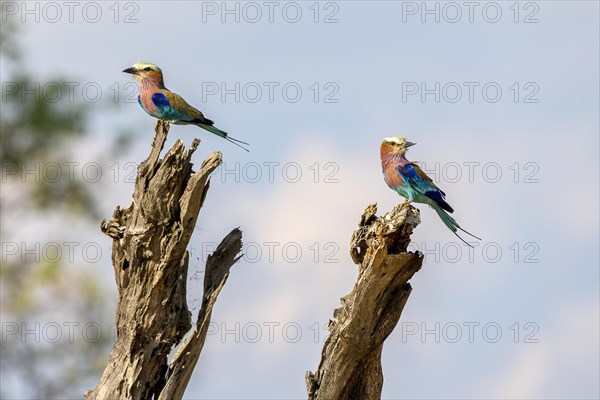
395	145
144	71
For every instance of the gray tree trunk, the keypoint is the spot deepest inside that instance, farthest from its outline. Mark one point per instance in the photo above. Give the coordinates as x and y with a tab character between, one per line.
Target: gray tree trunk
350	366
150	262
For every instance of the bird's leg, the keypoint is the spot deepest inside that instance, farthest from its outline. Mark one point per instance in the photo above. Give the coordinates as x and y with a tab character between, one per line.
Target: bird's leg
407	201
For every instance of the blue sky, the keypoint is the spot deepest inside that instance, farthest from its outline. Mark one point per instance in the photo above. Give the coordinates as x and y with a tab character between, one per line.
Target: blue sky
512	140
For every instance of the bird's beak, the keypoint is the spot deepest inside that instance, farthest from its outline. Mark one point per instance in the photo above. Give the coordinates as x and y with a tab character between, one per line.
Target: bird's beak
131	70
408	144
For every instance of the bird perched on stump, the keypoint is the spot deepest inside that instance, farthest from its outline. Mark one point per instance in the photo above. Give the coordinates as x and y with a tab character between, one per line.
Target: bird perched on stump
161	103
410	182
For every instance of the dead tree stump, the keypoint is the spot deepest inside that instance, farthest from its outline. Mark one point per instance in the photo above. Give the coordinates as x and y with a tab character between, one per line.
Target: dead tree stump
350	366
150	263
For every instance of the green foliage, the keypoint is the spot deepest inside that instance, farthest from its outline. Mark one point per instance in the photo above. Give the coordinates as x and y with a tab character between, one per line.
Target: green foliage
38	129
49	294
32	127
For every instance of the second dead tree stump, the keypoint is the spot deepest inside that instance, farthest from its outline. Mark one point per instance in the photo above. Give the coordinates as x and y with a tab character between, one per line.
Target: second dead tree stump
350	366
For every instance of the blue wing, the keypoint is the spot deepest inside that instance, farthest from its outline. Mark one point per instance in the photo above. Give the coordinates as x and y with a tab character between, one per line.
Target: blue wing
420	182
164	109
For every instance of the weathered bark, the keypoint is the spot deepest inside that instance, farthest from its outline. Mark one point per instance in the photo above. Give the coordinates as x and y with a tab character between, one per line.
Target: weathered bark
150	262
350	366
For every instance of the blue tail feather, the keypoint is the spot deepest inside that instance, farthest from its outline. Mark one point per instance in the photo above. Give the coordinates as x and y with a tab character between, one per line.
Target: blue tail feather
451	223
223	134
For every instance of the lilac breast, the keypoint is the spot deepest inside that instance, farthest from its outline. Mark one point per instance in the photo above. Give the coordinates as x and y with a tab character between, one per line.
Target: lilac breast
145	100
392	177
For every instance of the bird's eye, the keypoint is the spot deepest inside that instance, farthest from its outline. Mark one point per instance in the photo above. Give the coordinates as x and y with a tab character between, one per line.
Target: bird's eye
147	69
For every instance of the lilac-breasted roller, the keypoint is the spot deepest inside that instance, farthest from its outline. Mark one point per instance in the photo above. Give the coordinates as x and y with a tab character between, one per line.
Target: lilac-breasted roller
161	103
410	182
